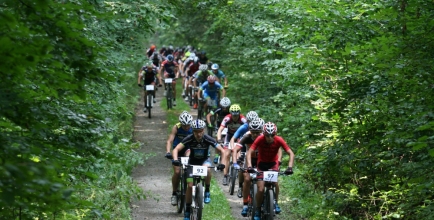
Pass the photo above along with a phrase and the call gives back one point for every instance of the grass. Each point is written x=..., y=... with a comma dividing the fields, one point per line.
x=219, y=208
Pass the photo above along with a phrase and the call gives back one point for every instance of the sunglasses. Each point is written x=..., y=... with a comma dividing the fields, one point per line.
x=270, y=135
x=256, y=133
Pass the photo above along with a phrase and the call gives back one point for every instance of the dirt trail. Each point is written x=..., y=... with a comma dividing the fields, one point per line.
x=154, y=176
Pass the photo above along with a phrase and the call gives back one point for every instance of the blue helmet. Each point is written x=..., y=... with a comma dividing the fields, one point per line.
x=215, y=66
x=170, y=57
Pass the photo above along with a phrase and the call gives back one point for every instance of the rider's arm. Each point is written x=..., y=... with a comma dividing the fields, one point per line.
x=279, y=155
x=139, y=78
x=226, y=82
x=208, y=117
x=171, y=138
x=219, y=132
x=175, y=151
x=249, y=157
x=223, y=91
x=288, y=151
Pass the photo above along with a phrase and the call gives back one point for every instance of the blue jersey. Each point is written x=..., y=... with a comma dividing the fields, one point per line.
x=181, y=134
x=220, y=75
x=241, y=131
x=211, y=90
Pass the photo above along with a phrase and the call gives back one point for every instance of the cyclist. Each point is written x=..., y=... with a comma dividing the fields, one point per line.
x=192, y=67
x=220, y=75
x=201, y=75
x=232, y=122
x=255, y=130
x=203, y=59
x=147, y=73
x=151, y=50
x=198, y=143
x=220, y=113
x=268, y=146
x=170, y=69
x=211, y=91
x=179, y=131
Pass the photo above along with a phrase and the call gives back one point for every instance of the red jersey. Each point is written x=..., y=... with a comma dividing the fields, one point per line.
x=193, y=68
x=233, y=125
x=269, y=152
x=169, y=67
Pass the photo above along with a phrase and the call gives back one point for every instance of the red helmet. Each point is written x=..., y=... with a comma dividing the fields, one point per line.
x=270, y=128
x=152, y=47
x=211, y=79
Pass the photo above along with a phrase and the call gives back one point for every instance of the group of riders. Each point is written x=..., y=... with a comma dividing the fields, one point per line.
x=191, y=65
x=249, y=141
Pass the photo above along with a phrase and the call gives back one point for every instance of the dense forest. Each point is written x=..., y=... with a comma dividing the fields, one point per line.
x=350, y=85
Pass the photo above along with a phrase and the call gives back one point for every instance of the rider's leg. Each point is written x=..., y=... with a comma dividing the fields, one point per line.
x=175, y=178
x=246, y=187
x=259, y=194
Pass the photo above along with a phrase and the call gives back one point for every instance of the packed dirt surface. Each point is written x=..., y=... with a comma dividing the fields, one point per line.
x=154, y=176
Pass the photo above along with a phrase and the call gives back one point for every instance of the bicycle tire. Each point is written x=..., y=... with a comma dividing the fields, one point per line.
x=182, y=191
x=199, y=110
x=169, y=97
x=197, y=212
x=269, y=205
x=233, y=177
x=149, y=101
x=253, y=191
x=190, y=96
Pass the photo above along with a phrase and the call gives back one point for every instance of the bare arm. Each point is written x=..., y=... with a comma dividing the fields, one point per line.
x=219, y=133
x=175, y=151
x=291, y=157
x=170, y=138
x=249, y=157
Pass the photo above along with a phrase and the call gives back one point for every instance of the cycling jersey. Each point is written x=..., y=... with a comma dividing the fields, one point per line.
x=233, y=125
x=180, y=135
x=221, y=113
x=247, y=141
x=149, y=52
x=202, y=75
x=169, y=68
x=268, y=153
x=193, y=67
x=220, y=75
x=199, y=150
x=148, y=76
x=211, y=90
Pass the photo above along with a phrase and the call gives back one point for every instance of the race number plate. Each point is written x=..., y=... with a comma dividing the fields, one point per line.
x=184, y=160
x=168, y=80
x=200, y=170
x=149, y=87
x=270, y=176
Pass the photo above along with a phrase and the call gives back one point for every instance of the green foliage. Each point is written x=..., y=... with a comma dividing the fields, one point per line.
x=66, y=95
x=348, y=83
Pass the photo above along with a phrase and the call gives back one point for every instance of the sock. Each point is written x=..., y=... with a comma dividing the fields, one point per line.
x=207, y=188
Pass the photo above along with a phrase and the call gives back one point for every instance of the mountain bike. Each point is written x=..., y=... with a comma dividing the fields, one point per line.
x=211, y=105
x=169, y=94
x=182, y=187
x=269, y=178
x=252, y=195
x=149, y=98
x=233, y=175
x=199, y=173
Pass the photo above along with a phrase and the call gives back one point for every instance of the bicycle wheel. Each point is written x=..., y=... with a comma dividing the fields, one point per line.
x=149, y=101
x=169, y=97
x=181, y=194
x=233, y=177
x=269, y=205
x=190, y=95
x=253, y=191
x=199, y=110
x=197, y=211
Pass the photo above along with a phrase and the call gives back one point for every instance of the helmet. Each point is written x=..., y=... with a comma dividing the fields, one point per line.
x=170, y=57
x=251, y=115
x=203, y=52
x=195, y=59
x=270, y=128
x=257, y=124
x=185, y=119
x=210, y=65
x=215, y=66
x=184, y=112
x=235, y=109
x=198, y=124
x=170, y=47
x=203, y=67
x=149, y=64
x=211, y=79
x=225, y=102
x=152, y=47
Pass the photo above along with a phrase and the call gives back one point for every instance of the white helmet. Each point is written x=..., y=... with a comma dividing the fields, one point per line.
x=185, y=118
x=203, y=67
x=251, y=115
x=225, y=102
x=270, y=128
x=257, y=124
x=198, y=124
